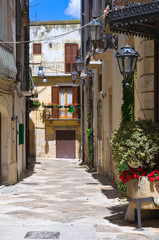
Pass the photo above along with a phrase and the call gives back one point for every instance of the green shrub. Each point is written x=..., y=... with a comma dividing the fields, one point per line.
x=136, y=144
x=34, y=104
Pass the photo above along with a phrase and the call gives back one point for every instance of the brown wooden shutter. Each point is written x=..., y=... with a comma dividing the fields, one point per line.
x=71, y=54
x=67, y=58
x=55, y=100
x=74, y=55
x=76, y=100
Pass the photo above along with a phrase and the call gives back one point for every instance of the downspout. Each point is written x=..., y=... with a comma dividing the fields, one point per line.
x=83, y=147
x=156, y=80
x=91, y=120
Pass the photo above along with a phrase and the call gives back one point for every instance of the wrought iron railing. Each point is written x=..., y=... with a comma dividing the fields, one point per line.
x=7, y=64
x=65, y=113
x=53, y=68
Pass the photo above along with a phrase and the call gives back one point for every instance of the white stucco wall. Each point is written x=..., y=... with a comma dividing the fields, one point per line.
x=53, y=56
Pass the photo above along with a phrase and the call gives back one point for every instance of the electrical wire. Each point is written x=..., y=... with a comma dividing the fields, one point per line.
x=55, y=37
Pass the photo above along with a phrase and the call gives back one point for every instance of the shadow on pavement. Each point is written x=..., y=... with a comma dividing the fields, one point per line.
x=109, y=188
x=117, y=215
x=30, y=170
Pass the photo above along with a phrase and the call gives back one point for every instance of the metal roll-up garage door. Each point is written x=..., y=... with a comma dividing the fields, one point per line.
x=65, y=144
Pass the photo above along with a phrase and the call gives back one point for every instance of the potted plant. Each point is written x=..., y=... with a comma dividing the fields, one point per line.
x=135, y=148
x=34, y=104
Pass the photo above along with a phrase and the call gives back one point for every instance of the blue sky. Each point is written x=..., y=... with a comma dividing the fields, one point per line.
x=54, y=10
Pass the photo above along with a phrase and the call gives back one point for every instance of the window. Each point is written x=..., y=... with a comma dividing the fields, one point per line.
x=36, y=48
x=71, y=54
x=65, y=99
x=65, y=96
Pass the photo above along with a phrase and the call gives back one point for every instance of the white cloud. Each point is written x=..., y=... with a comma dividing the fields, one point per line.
x=73, y=8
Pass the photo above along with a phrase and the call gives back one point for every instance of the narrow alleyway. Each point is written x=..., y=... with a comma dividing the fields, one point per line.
x=60, y=199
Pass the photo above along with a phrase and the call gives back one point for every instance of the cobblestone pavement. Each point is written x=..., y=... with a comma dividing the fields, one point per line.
x=60, y=196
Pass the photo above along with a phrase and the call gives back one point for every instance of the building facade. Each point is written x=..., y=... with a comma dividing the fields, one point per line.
x=107, y=89
x=14, y=81
x=56, y=125
x=107, y=80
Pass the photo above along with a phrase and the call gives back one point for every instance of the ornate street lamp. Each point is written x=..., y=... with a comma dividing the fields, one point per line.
x=127, y=59
x=80, y=65
x=74, y=76
x=94, y=30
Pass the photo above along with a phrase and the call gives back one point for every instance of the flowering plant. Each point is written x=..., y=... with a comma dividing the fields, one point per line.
x=106, y=11
x=136, y=173
x=153, y=176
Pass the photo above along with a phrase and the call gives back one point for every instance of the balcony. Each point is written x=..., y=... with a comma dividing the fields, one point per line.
x=62, y=112
x=7, y=65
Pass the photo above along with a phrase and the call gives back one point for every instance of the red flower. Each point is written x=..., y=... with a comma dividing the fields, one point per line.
x=127, y=176
x=124, y=180
x=152, y=179
x=143, y=174
x=157, y=178
x=136, y=176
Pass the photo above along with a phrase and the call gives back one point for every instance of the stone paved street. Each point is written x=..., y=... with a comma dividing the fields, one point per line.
x=60, y=196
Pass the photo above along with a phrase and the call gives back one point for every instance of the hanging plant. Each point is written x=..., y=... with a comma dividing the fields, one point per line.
x=34, y=104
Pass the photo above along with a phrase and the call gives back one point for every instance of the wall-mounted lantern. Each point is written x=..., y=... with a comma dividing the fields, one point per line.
x=127, y=58
x=79, y=65
x=94, y=30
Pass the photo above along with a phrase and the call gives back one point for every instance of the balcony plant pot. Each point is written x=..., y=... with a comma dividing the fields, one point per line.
x=143, y=188
x=48, y=106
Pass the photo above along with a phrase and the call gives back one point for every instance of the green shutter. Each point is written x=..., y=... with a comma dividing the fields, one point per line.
x=21, y=134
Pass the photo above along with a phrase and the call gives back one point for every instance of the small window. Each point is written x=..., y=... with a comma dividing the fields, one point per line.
x=36, y=48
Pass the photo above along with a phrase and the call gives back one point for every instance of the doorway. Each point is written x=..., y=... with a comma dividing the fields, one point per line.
x=65, y=144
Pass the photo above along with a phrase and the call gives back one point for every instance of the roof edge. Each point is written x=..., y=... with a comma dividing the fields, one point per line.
x=59, y=22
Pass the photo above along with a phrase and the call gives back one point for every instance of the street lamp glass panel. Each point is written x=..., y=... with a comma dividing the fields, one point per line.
x=79, y=64
x=134, y=61
x=74, y=76
x=127, y=65
x=120, y=63
x=44, y=80
x=40, y=72
x=94, y=29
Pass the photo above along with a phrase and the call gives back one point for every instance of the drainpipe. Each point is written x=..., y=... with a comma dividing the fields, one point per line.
x=91, y=119
x=156, y=80
x=83, y=149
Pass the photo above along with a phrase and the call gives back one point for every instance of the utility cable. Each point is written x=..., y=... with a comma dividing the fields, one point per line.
x=55, y=37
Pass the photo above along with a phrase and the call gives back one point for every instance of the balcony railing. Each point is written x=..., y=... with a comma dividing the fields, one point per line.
x=7, y=64
x=65, y=113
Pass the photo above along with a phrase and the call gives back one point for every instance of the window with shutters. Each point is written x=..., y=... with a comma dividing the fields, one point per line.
x=65, y=96
x=65, y=99
x=37, y=48
x=71, y=54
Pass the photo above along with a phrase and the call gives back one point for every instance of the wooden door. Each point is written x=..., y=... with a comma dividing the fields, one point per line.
x=65, y=144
